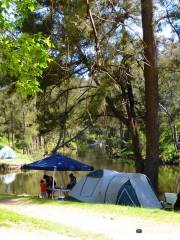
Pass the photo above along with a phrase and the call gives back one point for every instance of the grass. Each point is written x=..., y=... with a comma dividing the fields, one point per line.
x=24, y=158
x=109, y=209
x=11, y=219
x=3, y=141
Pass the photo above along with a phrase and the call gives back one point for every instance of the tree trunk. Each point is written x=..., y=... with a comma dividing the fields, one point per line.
x=55, y=149
x=132, y=126
x=151, y=94
x=139, y=163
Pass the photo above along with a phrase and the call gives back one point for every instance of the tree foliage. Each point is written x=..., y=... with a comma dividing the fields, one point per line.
x=22, y=56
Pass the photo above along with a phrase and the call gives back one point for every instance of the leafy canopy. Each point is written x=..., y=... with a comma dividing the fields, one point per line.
x=22, y=56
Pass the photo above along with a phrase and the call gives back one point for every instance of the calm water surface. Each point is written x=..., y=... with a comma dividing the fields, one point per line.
x=28, y=182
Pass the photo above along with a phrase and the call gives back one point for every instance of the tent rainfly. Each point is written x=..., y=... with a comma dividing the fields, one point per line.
x=106, y=186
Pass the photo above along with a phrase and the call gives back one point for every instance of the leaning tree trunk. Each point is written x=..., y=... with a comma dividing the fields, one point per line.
x=132, y=125
x=139, y=163
x=151, y=94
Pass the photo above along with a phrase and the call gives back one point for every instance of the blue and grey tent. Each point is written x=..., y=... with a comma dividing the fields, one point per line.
x=58, y=162
x=106, y=186
x=7, y=152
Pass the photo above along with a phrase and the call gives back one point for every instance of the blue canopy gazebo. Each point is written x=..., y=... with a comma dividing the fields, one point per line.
x=58, y=162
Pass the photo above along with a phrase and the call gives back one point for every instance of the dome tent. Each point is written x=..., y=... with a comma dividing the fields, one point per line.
x=7, y=152
x=106, y=186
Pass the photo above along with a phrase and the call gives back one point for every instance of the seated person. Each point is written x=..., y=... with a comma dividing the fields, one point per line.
x=72, y=182
x=177, y=203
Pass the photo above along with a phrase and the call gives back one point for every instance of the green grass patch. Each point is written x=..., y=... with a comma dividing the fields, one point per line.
x=3, y=141
x=158, y=215
x=9, y=219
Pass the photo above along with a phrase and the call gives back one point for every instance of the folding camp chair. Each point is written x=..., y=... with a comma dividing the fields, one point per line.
x=169, y=200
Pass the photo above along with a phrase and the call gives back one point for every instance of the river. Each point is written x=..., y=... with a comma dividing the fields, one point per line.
x=27, y=182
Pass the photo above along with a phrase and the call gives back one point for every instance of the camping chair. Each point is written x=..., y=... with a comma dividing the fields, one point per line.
x=169, y=200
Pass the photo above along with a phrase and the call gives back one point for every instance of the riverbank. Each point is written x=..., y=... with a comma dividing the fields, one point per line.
x=9, y=165
x=105, y=221
x=14, y=164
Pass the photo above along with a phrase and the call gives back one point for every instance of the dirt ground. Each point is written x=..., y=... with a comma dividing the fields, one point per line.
x=115, y=228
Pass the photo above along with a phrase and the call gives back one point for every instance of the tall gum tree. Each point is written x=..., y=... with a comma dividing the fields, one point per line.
x=151, y=94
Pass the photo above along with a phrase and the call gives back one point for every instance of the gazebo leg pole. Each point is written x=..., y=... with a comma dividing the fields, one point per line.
x=62, y=180
x=52, y=193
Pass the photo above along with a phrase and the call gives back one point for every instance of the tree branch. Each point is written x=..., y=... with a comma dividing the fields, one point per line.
x=116, y=112
x=71, y=139
x=94, y=31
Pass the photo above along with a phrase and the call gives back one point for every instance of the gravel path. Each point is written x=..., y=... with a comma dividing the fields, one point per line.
x=115, y=228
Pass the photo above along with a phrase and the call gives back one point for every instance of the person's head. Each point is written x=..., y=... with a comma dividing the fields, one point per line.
x=42, y=181
x=45, y=176
x=71, y=175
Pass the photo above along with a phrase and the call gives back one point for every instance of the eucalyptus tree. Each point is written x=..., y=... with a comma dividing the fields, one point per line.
x=151, y=93
x=115, y=44
x=98, y=44
x=113, y=54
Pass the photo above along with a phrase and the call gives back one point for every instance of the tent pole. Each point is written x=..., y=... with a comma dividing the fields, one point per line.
x=62, y=180
x=52, y=194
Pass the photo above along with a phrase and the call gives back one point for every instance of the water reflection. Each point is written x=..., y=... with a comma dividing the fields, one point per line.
x=28, y=182
x=8, y=178
x=168, y=179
